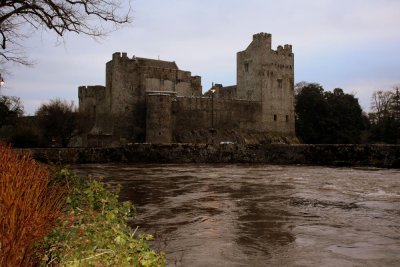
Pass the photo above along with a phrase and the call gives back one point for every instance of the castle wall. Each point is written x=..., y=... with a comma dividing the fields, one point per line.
x=278, y=98
x=128, y=80
x=91, y=104
x=249, y=68
x=148, y=100
x=184, y=89
x=124, y=95
x=382, y=156
x=89, y=98
x=193, y=118
x=267, y=75
x=159, y=117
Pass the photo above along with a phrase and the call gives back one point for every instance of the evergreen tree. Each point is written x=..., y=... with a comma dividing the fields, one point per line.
x=327, y=117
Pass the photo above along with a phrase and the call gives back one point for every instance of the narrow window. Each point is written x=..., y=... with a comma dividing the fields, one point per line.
x=246, y=67
x=275, y=117
x=287, y=118
x=279, y=83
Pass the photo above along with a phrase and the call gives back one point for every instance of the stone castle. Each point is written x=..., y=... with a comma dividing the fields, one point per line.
x=153, y=101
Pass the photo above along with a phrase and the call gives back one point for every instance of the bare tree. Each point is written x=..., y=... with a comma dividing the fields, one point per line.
x=380, y=103
x=88, y=17
x=57, y=121
x=395, y=103
x=10, y=109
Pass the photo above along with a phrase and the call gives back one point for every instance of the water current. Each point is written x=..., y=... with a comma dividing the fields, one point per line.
x=263, y=215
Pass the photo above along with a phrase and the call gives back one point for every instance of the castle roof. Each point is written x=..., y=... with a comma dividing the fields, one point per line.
x=157, y=63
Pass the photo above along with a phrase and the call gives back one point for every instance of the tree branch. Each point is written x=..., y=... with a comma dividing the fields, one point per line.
x=60, y=16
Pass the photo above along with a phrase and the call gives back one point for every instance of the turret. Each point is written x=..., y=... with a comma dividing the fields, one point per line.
x=266, y=75
x=159, y=117
x=119, y=55
x=262, y=39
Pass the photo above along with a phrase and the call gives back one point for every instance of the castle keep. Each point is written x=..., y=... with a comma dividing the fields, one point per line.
x=153, y=101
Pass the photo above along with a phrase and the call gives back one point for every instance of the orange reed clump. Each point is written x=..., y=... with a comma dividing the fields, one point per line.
x=29, y=206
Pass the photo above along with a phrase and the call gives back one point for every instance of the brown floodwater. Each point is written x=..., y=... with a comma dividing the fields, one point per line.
x=263, y=215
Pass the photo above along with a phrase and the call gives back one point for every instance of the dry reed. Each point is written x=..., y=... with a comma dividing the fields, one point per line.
x=29, y=206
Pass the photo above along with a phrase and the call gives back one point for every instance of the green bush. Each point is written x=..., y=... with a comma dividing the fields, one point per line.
x=94, y=231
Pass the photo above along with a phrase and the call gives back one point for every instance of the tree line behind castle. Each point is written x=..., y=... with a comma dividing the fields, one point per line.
x=321, y=117
x=153, y=101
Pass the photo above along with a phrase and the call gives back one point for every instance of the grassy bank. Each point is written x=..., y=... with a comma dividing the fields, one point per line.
x=63, y=220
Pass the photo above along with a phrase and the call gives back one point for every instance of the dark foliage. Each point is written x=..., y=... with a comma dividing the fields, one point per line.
x=327, y=117
x=26, y=133
x=10, y=110
x=57, y=122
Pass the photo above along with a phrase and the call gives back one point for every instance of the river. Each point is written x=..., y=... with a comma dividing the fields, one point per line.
x=263, y=215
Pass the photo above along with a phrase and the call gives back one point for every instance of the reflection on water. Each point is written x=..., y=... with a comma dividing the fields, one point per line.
x=262, y=215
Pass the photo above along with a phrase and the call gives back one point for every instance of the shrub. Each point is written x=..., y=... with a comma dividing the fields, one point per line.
x=29, y=206
x=94, y=231
x=41, y=225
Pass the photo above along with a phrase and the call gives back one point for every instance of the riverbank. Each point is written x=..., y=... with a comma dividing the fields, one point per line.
x=54, y=218
x=385, y=156
x=94, y=229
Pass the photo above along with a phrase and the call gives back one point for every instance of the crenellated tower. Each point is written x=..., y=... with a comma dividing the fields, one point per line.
x=152, y=100
x=267, y=76
x=119, y=109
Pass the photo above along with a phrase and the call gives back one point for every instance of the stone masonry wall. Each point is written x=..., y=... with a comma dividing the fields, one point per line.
x=193, y=119
x=267, y=75
x=159, y=117
x=121, y=110
x=387, y=156
x=262, y=109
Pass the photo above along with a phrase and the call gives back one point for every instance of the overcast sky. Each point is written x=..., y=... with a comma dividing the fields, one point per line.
x=351, y=44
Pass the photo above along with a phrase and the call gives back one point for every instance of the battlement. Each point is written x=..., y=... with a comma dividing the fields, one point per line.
x=262, y=40
x=144, y=62
x=196, y=80
x=265, y=39
x=288, y=47
x=262, y=36
x=118, y=55
x=284, y=50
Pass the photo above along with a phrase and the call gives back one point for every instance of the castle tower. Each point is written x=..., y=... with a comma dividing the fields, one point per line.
x=267, y=75
x=159, y=117
x=127, y=82
x=124, y=97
